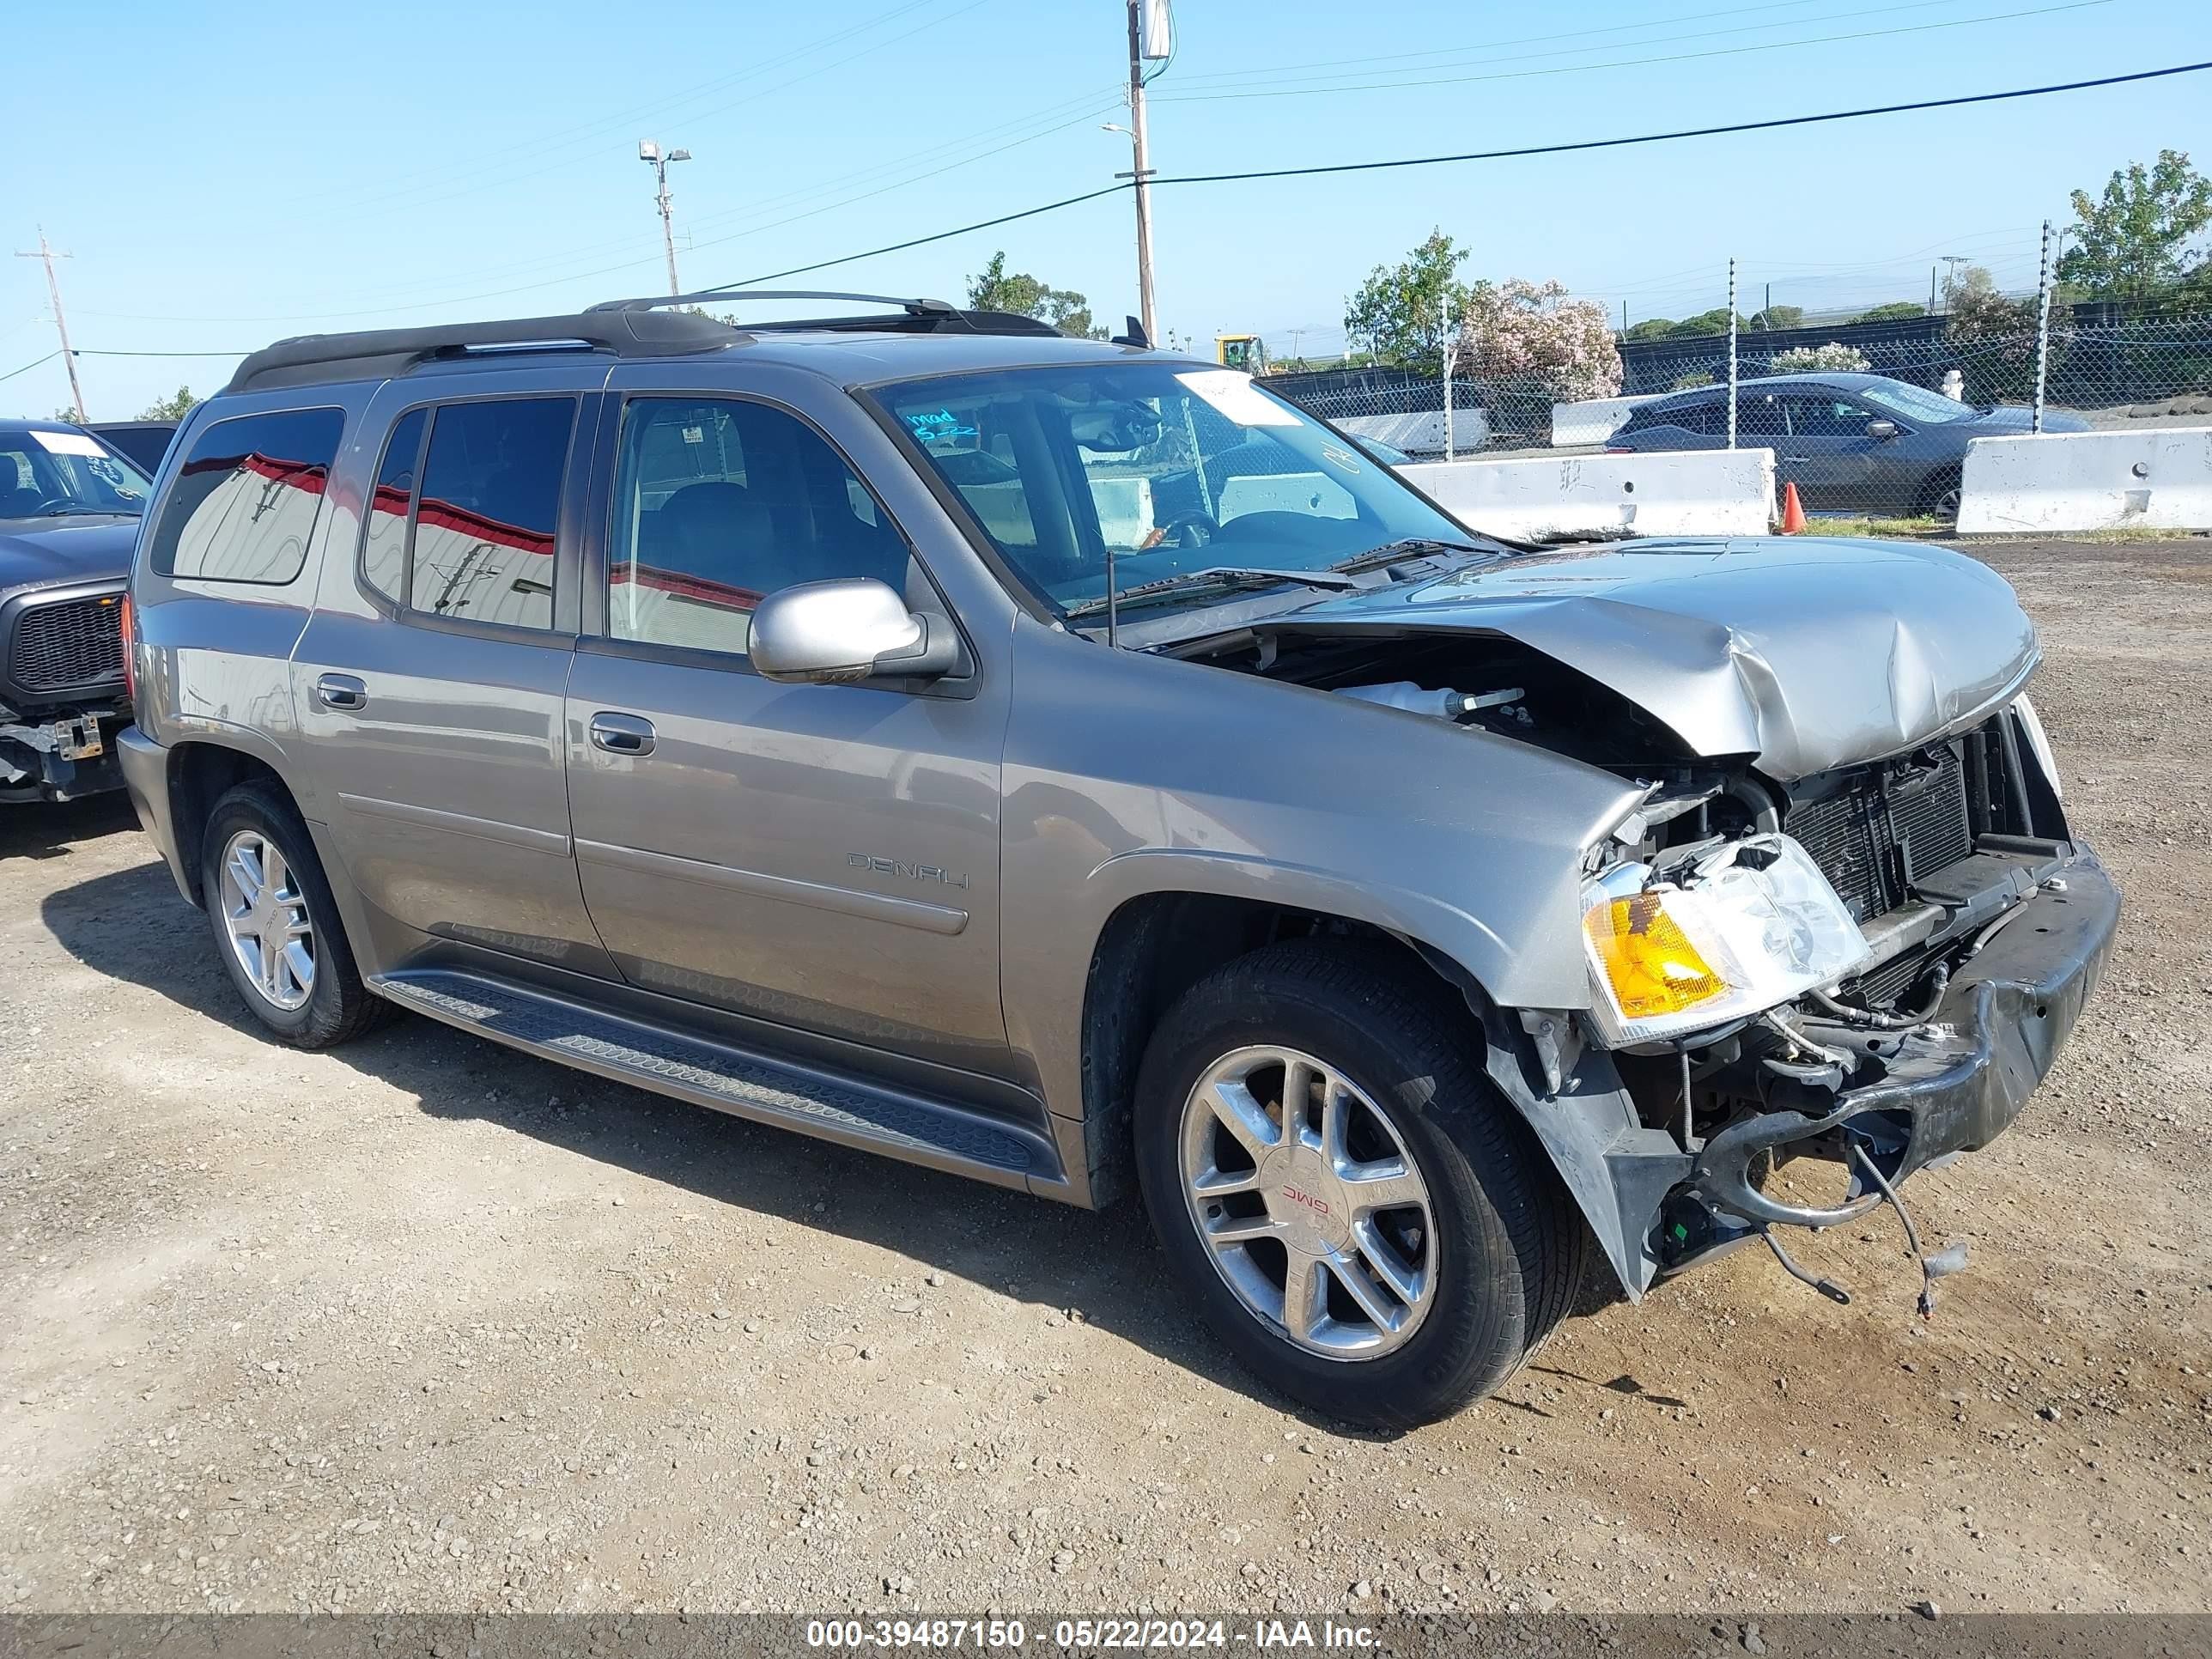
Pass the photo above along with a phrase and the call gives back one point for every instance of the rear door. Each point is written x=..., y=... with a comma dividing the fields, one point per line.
x=429, y=683
x=824, y=858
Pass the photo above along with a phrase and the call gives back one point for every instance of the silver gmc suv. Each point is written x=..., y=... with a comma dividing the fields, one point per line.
x=1067, y=764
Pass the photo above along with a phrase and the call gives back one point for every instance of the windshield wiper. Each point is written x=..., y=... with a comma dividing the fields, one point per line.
x=1221, y=576
x=81, y=512
x=1407, y=547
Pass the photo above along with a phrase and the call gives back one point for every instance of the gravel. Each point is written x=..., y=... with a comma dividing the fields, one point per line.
x=422, y=1324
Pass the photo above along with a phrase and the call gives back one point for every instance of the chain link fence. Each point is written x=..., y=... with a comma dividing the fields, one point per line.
x=1867, y=419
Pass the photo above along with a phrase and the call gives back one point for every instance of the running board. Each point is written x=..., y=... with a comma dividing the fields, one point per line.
x=834, y=1106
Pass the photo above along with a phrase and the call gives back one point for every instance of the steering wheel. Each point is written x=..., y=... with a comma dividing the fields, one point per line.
x=52, y=503
x=1187, y=530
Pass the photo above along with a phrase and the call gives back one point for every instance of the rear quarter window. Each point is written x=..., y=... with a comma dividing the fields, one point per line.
x=245, y=502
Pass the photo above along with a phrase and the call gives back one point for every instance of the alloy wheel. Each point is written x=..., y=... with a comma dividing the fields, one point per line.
x=1308, y=1202
x=266, y=915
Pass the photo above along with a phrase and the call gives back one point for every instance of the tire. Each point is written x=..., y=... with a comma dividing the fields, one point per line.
x=332, y=1005
x=1939, y=496
x=1497, y=1250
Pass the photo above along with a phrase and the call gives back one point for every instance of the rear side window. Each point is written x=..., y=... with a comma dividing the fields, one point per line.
x=245, y=502
x=391, y=505
x=462, y=519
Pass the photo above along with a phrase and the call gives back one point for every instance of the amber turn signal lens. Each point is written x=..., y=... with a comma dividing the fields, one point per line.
x=1648, y=962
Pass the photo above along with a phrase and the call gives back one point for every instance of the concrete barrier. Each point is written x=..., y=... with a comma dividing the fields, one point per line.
x=2055, y=483
x=1593, y=420
x=1705, y=492
x=1421, y=431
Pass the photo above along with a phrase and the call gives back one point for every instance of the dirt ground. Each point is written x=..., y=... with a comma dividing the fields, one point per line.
x=422, y=1324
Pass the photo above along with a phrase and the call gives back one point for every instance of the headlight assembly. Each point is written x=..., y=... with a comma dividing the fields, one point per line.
x=1742, y=930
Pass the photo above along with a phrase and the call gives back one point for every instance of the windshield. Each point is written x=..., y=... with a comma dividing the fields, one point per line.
x=1175, y=468
x=57, y=473
x=1915, y=403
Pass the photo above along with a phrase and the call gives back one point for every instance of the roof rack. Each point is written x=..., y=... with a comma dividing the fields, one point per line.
x=374, y=353
x=920, y=316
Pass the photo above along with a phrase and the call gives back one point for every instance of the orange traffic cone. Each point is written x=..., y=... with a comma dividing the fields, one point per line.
x=1793, y=510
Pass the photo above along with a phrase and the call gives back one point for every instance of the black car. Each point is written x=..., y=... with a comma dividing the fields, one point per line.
x=1851, y=443
x=70, y=505
x=143, y=442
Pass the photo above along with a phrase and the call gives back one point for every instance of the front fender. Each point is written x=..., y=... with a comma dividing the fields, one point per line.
x=1128, y=775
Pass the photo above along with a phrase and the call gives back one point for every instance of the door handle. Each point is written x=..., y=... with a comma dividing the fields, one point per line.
x=341, y=691
x=622, y=734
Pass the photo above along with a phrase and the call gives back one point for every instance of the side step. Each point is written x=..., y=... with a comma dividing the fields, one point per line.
x=834, y=1106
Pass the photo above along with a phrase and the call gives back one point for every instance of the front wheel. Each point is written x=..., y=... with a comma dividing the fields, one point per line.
x=1355, y=1210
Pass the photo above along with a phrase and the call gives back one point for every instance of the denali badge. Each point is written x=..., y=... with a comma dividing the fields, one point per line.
x=901, y=867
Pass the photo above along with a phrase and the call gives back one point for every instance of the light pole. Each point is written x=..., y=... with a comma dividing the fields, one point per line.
x=651, y=153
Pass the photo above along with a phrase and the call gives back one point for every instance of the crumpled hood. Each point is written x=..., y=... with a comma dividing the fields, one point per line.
x=1809, y=653
x=41, y=552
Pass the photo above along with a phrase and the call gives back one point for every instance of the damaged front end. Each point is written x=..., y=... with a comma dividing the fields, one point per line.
x=1937, y=931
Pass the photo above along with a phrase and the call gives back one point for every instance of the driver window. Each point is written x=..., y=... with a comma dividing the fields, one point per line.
x=719, y=502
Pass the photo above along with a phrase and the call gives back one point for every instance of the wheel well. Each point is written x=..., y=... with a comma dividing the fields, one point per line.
x=200, y=774
x=1151, y=951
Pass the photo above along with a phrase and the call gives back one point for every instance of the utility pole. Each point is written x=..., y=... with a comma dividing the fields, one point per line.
x=650, y=152
x=61, y=322
x=1951, y=281
x=1141, y=159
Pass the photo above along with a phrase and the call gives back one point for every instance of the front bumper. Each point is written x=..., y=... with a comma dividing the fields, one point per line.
x=65, y=757
x=1948, y=1086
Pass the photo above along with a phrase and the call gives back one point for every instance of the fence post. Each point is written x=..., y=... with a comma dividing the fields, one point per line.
x=1731, y=442
x=1450, y=338
x=2042, y=330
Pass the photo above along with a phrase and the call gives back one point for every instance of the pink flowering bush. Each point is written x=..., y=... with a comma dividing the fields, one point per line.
x=1532, y=333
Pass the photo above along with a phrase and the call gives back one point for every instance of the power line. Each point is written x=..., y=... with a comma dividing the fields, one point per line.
x=1635, y=63
x=923, y=241
x=1499, y=155
x=28, y=367
x=1224, y=84
x=1685, y=132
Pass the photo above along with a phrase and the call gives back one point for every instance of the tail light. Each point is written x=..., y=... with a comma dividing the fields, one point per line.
x=129, y=650
x=1619, y=449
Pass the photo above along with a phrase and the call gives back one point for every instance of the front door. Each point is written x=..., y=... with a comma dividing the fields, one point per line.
x=1829, y=454
x=824, y=858
x=430, y=687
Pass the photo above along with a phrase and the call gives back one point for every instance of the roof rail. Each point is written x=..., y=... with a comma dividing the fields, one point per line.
x=308, y=359
x=921, y=316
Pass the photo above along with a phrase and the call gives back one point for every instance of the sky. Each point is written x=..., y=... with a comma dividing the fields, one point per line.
x=222, y=175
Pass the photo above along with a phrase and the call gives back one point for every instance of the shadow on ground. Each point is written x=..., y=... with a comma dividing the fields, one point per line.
x=1101, y=1268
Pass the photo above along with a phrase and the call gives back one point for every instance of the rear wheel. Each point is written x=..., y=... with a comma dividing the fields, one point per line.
x=1355, y=1210
x=276, y=924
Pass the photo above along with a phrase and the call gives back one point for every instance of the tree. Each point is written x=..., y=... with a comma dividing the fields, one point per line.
x=68, y=412
x=1995, y=337
x=170, y=409
x=1897, y=311
x=1400, y=312
x=1652, y=328
x=1705, y=323
x=1775, y=318
x=993, y=288
x=2134, y=239
x=1525, y=333
x=1829, y=359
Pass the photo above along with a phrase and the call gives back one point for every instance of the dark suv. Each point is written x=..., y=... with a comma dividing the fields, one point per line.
x=69, y=506
x=1067, y=764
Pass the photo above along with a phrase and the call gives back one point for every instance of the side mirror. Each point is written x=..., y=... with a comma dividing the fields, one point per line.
x=839, y=632
x=1882, y=429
